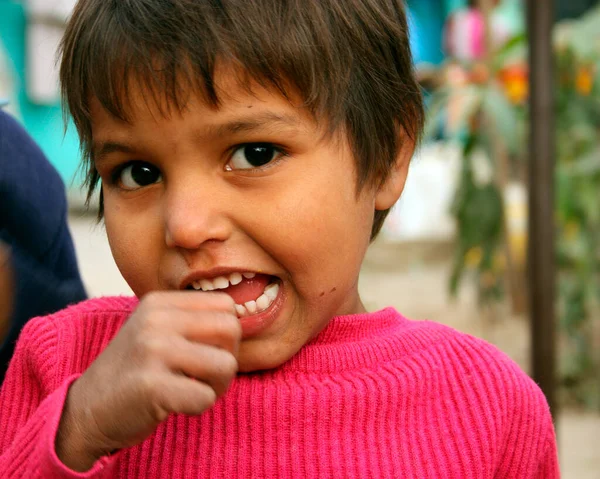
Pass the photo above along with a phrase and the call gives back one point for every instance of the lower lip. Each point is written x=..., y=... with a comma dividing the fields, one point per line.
x=257, y=323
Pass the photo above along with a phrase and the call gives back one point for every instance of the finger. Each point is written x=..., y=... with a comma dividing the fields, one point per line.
x=182, y=395
x=213, y=366
x=219, y=329
x=190, y=300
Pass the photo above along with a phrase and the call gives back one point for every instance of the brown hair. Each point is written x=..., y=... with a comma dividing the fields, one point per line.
x=349, y=60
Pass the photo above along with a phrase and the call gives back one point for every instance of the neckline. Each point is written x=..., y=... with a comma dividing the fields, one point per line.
x=356, y=327
x=366, y=340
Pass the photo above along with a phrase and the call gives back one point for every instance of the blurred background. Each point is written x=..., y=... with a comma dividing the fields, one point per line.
x=454, y=249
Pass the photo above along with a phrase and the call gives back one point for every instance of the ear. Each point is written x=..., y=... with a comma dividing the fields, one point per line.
x=389, y=192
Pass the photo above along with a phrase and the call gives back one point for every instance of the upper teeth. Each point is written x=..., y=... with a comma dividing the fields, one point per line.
x=221, y=282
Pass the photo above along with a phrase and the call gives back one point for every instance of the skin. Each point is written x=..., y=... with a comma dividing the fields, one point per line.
x=6, y=291
x=299, y=218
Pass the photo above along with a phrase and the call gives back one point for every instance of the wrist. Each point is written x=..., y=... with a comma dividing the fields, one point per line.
x=74, y=444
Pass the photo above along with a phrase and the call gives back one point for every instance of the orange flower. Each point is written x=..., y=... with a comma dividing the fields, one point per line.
x=514, y=78
x=584, y=81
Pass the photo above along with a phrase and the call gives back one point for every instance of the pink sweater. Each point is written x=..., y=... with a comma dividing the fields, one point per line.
x=374, y=395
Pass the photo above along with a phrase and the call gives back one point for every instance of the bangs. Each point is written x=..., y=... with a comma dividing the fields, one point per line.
x=170, y=49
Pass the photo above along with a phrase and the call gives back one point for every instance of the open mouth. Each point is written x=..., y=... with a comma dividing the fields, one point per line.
x=252, y=293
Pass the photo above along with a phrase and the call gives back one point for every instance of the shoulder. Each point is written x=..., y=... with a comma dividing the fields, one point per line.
x=115, y=308
x=86, y=316
x=485, y=380
x=486, y=371
x=483, y=361
x=474, y=380
x=75, y=335
x=471, y=357
x=474, y=373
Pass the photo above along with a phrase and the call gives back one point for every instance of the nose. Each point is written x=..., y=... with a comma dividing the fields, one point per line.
x=194, y=215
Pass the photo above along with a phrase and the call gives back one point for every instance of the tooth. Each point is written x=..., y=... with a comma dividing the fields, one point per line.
x=207, y=285
x=241, y=310
x=235, y=278
x=221, y=282
x=263, y=302
x=196, y=285
x=249, y=275
x=272, y=291
x=251, y=306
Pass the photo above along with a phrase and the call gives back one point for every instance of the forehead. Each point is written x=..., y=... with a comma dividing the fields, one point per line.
x=237, y=96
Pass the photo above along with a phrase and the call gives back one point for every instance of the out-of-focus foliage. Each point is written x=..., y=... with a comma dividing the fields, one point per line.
x=484, y=107
x=578, y=203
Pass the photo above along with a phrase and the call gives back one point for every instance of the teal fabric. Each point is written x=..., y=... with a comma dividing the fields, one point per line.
x=44, y=123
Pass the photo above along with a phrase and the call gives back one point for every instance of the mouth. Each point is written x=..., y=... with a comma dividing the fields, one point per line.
x=253, y=293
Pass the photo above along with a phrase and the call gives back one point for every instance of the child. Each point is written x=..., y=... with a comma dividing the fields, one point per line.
x=248, y=151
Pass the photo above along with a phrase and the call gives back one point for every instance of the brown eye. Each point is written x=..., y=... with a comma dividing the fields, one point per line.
x=139, y=174
x=253, y=155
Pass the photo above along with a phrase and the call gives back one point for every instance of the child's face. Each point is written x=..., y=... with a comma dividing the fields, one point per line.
x=196, y=204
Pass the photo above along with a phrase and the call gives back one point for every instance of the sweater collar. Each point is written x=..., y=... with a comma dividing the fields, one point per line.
x=361, y=341
x=357, y=327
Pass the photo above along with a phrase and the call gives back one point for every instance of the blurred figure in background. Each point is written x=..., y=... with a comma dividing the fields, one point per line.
x=38, y=267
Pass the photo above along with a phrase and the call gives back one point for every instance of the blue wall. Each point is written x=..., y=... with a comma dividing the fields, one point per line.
x=44, y=123
x=426, y=20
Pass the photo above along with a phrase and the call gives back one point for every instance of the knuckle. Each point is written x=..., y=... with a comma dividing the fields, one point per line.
x=161, y=410
x=153, y=346
x=147, y=346
x=147, y=385
x=229, y=366
x=152, y=322
x=158, y=401
x=152, y=300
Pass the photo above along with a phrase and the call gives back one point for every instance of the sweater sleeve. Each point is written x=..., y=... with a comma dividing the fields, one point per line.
x=530, y=440
x=532, y=435
x=31, y=403
x=548, y=467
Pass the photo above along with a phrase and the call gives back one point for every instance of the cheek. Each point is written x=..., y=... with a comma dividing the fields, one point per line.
x=319, y=235
x=133, y=243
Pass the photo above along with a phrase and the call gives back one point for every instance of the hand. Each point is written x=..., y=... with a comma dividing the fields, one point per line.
x=6, y=291
x=175, y=354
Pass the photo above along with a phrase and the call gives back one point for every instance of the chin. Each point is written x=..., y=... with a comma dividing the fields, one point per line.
x=255, y=357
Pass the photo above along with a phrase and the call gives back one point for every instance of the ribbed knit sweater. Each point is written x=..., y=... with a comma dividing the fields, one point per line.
x=373, y=395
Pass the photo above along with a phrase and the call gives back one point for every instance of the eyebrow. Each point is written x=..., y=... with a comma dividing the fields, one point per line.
x=101, y=150
x=261, y=122
x=258, y=122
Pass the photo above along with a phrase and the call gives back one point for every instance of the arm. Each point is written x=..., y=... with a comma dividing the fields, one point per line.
x=525, y=447
x=31, y=405
x=6, y=292
x=548, y=463
x=531, y=451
